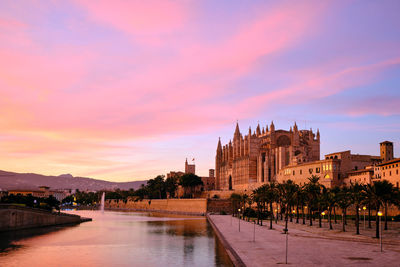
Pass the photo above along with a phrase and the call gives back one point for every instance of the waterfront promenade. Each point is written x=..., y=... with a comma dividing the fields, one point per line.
x=306, y=248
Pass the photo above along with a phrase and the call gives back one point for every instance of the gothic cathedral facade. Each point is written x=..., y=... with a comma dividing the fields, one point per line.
x=255, y=159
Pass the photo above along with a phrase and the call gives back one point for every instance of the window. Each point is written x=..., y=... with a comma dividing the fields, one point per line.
x=390, y=173
x=294, y=172
x=397, y=184
x=310, y=170
x=397, y=172
x=301, y=171
x=383, y=174
x=318, y=170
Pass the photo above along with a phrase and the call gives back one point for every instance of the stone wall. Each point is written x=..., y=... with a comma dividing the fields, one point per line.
x=181, y=206
x=16, y=217
x=220, y=193
x=219, y=205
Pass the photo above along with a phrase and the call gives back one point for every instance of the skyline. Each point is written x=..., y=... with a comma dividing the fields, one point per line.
x=128, y=91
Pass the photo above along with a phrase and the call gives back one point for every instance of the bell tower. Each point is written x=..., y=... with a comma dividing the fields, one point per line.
x=386, y=151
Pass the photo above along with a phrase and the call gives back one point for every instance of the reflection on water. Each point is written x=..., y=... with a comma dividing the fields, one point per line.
x=117, y=239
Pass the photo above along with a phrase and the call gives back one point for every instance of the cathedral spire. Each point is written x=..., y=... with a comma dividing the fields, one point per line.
x=272, y=126
x=237, y=131
x=295, y=127
x=258, y=131
x=219, y=144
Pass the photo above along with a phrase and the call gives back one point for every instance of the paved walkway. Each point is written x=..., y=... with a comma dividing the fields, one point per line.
x=304, y=248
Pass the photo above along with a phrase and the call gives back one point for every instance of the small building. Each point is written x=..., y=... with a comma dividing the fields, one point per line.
x=389, y=170
x=364, y=176
x=43, y=192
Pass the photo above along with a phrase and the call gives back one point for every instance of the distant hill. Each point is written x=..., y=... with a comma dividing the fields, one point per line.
x=12, y=180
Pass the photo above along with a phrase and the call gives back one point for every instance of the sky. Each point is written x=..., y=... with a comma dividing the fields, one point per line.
x=127, y=90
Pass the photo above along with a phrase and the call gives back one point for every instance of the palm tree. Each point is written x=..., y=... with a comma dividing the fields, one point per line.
x=379, y=192
x=335, y=191
x=330, y=200
x=312, y=189
x=388, y=198
x=321, y=203
x=287, y=193
x=357, y=197
x=344, y=201
x=368, y=201
x=271, y=197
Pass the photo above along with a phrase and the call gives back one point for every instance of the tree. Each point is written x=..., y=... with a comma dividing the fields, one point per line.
x=330, y=200
x=156, y=187
x=379, y=192
x=357, y=197
x=344, y=201
x=312, y=190
x=287, y=192
x=171, y=184
x=236, y=202
x=189, y=182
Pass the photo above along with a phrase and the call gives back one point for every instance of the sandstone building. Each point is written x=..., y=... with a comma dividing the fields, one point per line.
x=208, y=181
x=269, y=155
x=257, y=158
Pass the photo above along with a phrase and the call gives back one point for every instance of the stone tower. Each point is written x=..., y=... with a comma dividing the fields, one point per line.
x=190, y=168
x=386, y=151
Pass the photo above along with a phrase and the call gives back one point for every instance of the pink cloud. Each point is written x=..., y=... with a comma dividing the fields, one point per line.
x=144, y=20
x=321, y=86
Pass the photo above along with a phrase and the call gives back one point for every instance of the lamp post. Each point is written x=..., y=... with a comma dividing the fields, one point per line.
x=254, y=231
x=239, y=218
x=286, y=233
x=323, y=215
x=364, y=208
x=380, y=231
x=306, y=211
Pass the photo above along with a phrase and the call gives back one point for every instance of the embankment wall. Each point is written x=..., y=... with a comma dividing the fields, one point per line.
x=16, y=217
x=182, y=206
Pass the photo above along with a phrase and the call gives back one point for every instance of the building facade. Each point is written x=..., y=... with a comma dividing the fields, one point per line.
x=250, y=161
x=270, y=155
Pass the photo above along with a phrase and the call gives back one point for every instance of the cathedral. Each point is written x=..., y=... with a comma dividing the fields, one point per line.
x=250, y=161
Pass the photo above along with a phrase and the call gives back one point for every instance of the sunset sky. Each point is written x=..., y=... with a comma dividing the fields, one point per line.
x=128, y=90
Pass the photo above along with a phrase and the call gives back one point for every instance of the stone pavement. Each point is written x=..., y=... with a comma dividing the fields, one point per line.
x=304, y=248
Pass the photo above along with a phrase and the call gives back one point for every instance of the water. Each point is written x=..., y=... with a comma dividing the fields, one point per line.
x=117, y=239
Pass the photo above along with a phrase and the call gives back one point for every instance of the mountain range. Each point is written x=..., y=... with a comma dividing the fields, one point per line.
x=12, y=180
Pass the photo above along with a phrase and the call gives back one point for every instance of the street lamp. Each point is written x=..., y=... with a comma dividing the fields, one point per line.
x=323, y=215
x=286, y=231
x=306, y=211
x=239, y=219
x=364, y=208
x=380, y=234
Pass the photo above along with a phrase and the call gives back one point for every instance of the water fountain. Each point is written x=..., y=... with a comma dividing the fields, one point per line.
x=102, y=202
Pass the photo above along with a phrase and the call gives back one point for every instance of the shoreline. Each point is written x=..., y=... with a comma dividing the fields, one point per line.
x=14, y=218
x=159, y=211
x=234, y=257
